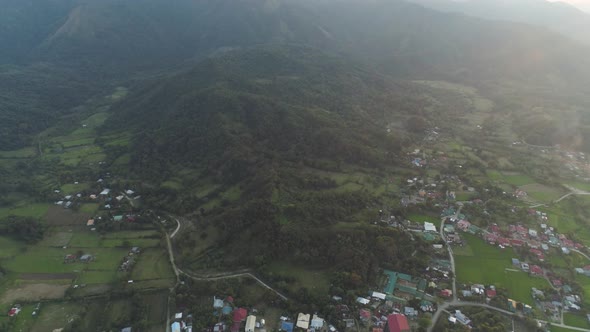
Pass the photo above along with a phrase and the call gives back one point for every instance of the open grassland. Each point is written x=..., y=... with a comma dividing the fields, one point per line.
x=35, y=210
x=313, y=280
x=421, y=218
x=584, y=282
x=24, y=153
x=585, y=186
x=153, y=264
x=70, y=188
x=517, y=179
x=55, y=315
x=542, y=193
x=10, y=247
x=483, y=263
x=570, y=216
x=577, y=320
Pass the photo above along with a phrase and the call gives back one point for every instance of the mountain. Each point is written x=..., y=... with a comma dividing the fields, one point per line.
x=262, y=127
x=74, y=49
x=557, y=16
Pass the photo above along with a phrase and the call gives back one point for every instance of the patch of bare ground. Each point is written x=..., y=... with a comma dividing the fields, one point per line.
x=34, y=292
x=58, y=216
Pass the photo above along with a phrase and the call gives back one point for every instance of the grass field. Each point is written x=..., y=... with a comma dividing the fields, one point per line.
x=542, y=193
x=572, y=319
x=421, y=218
x=24, y=153
x=35, y=210
x=483, y=263
x=55, y=315
x=70, y=188
x=305, y=277
x=152, y=264
x=85, y=240
x=9, y=247
x=580, y=185
x=517, y=179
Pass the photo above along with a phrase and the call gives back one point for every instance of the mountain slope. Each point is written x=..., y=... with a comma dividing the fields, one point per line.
x=103, y=44
x=260, y=127
x=557, y=16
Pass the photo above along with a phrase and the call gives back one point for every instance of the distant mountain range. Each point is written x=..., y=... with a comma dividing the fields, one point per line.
x=557, y=16
x=56, y=54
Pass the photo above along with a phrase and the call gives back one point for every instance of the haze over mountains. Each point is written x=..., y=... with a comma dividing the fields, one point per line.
x=258, y=99
x=557, y=16
x=66, y=51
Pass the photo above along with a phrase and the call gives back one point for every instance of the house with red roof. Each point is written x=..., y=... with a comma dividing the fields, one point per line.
x=556, y=282
x=239, y=316
x=568, y=243
x=494, y=228
x=397, y=323
x=522, y=230
x=517, y=242
x=463, y=225
x=446, y=293
x=491, y=238
x=534, y=244
x=536, y=270
x=490, y=293
x=504, y=241
x=13, y=311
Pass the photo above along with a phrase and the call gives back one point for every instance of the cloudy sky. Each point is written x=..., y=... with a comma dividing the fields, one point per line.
x=582, y=4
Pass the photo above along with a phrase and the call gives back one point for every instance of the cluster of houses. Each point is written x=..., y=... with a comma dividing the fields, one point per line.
x=182, y=322
x=479, y=290
x=242, y=320
x=105, y=196
x=538, y=241
x=389, y=309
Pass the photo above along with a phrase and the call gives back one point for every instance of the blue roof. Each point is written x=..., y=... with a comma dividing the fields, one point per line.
x=175, y=327
x=287, y=326
x=226, y=310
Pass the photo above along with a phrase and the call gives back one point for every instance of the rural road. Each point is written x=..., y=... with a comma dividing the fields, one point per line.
x=573, y=191
x=443, y=308
x=177, y=228
x=227, y=275
x=450, y=250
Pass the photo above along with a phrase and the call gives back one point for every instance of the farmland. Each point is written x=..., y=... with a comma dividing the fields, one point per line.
x=39, y=271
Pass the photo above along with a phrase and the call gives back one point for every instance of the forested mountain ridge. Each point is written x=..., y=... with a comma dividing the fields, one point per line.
x=74, y=49
x=256, y=125
x=557, y=16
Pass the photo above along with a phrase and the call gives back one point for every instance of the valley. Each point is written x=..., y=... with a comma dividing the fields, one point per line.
x=292, y=165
